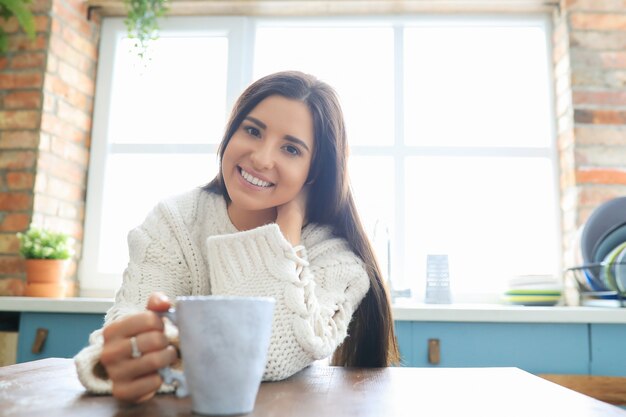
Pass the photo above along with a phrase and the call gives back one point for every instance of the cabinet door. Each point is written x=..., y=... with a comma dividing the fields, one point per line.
x=67, y=334
x=534, y=347
x=608, y=352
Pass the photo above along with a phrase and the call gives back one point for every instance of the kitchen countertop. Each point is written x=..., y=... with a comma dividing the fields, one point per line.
x=406, y=312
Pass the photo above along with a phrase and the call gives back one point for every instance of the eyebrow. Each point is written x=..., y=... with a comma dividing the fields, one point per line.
x=290, y=138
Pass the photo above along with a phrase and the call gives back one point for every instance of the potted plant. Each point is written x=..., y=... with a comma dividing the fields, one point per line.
x=47, y=254
x=142, y=22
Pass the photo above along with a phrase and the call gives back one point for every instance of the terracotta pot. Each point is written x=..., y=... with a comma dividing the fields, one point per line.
x=44, y=277
x=45, y=290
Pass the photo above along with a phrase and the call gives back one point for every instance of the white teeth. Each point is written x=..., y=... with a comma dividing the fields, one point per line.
x=254, y=180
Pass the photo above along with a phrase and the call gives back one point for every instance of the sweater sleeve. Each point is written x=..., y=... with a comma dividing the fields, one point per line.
x=315, y=296
x=156, y=263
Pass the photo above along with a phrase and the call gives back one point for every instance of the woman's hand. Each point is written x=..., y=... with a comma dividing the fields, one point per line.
x=137, y=379
x=291, y=216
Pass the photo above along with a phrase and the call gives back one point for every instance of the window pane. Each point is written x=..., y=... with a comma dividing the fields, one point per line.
x=494, y=217
x=152, y=177
x=178, y=96
x=357, y=62
x=477, y=86
x=374, y=193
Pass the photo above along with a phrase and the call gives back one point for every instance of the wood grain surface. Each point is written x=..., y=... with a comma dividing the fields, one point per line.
x=50, y=387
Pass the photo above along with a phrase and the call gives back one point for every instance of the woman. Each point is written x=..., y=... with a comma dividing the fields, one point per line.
x=278, y=220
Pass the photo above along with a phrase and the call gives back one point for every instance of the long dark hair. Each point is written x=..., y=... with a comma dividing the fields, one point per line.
x=371, y=340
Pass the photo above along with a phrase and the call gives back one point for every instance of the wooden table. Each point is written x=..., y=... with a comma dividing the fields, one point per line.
x=50, y=387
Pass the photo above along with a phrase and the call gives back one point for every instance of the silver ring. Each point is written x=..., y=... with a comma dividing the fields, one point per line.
x=135, y=352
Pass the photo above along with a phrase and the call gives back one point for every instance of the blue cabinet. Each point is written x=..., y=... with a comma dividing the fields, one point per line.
x=608, y=353
x=67, y=334
x=534, y=347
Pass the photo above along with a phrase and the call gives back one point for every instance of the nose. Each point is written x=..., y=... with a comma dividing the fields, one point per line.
x=262, y=157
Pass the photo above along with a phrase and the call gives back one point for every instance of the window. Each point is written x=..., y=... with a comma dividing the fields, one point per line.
x=450, y=125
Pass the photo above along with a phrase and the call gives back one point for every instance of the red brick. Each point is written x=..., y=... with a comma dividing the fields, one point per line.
x=42, y=23
x=60, y=168
x=14, y=222
x=53, y=64
x=49, y=103
x=58, y=127
x=613, y=59
x=594, y=196
x=600, y=117
x=11, y=264
x=21, y=80
x=24, y=43
x=19, y=119
x=69, y=55
x=74, y=20
x=28, y=60
x=12, y=287
x=598, y=40
x=80, y=81
x=598, y=21
x=70, y=151
x=9, y=243
x=23, y=100
x=15, y=201
x=17, y=159
x=4, y=62
x=64, y=90
x=81, y=44
x=601, y=176
x=78, y=6
x=17, y=180
x=595, y=5
x=598, y=78
x=76, y=117
x=19, y=140
x=65, y=190
x=10, y=25
x=40, y=6
x=600, y=135
x=600, y=98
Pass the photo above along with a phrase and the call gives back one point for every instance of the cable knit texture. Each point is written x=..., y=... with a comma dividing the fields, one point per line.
x=188, y=246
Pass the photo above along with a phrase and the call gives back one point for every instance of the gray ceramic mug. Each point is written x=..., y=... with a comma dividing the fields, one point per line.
x=223, y=342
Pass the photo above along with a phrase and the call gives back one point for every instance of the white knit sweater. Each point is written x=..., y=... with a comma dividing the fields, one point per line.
x=188, y=246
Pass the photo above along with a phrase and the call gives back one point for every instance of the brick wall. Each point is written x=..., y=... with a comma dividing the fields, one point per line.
x=46, y=101
x=590, y=75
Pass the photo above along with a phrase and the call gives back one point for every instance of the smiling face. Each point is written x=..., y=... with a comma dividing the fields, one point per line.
x=267, y=160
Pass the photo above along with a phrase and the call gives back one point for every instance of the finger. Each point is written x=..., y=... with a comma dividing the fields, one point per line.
x=138, y=390
x=159, y=302
x=117, y=350
x=132, y=325
x=131, y=369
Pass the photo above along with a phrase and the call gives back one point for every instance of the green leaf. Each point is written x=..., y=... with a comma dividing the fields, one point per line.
x=4, y=41
x=23, y=15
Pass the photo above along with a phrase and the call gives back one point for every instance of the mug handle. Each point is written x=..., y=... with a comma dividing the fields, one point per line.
x=168, y=374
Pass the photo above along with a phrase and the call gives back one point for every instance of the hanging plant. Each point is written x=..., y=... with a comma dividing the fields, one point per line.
x=142, y=22
x=19, y=9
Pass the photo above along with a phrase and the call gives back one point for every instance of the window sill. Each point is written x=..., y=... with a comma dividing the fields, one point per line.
x=500, y=313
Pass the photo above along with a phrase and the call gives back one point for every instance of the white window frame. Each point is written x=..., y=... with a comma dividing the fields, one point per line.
x=241, y=34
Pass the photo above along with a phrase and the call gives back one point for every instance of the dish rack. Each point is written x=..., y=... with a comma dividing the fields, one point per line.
x=597, y=284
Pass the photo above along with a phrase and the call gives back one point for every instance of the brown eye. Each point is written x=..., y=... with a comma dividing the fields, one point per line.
x=292, y=150
x=253, y=131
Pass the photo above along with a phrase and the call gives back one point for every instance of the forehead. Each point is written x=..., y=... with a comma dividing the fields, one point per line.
x=287, y=117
